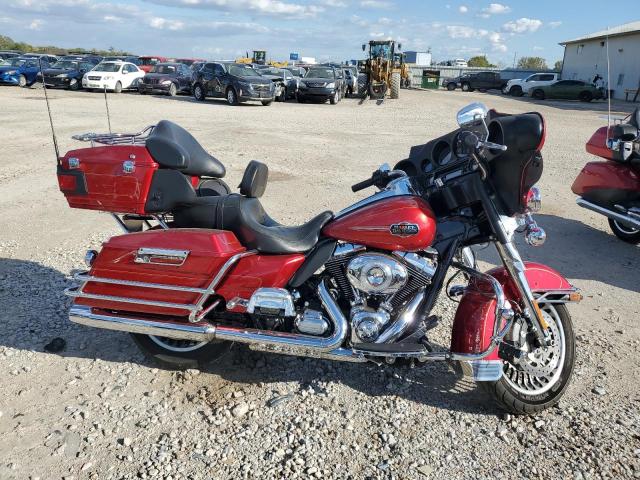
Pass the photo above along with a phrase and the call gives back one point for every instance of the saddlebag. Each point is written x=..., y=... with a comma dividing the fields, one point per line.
x=160, y=272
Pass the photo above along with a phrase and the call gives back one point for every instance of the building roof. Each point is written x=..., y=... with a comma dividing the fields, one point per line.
x=620, y=30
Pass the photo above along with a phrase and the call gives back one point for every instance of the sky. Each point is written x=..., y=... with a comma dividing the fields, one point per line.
x=323, y=29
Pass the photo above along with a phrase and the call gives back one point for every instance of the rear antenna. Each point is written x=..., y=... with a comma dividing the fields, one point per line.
x=608, y=89
x=46, y=98
x=106, y=104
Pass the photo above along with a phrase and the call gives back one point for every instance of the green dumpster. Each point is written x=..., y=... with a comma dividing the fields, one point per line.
x=430, y=79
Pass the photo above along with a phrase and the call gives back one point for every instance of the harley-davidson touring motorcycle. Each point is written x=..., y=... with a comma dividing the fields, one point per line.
x=200, y=268
x=612, y=188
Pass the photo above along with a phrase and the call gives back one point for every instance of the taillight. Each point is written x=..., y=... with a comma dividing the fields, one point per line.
x=68, y=183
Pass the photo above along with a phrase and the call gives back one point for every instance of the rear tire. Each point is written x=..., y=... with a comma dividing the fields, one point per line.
x=451, y=86
x=363, y=80
x=198, y=92
x=538, y=94
x=534, y=395
x=266, y=103
x=395, y=85
x=624, y=233
x=180, y=354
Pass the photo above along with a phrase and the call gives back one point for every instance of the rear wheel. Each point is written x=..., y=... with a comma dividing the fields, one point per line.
x=395, y=85
x=538, y=94
x=585, y=96
x=363, y=79
x=22, y=81
x=180, y=353
x=198, y=92
x=173, y=90
x=117, y=88
x=625, y=233
x=541, y=376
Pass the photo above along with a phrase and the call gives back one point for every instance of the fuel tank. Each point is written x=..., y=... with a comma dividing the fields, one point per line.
x=404, y=223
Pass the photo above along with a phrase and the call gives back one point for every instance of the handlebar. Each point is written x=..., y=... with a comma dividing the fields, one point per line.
x=379, y=178
x=362, y=185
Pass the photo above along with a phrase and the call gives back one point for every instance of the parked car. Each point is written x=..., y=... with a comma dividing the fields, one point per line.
x=459, y=62
x=236, y=82
x=521, y=86
x=189, y=61
x=167, y=78
x=568, y=90
x=7, y=54
x=148, y=61
x=21, y=71
x=476, y=81
x=297, y=71
x=123, y=58
x=44, y=56
x=351, y=79
x=286, y=84
x=320, y=83
x=66, y=73
x=113, y=76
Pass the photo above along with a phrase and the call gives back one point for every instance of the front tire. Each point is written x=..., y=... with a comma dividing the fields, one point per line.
x=542, y=376
x=451, y=86
x=516, y=91
x=466, y=87
x=22, y=81
x=266, y=103
x=180, y=354
x=198, y=93
x=395, y=85
x=232, y=98
x=117, y=88
x=173, y=90
x=335, y=98
x=538, y=94
x=624, y=233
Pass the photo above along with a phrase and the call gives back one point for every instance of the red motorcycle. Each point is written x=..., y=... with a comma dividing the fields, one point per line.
x=612, y=188
x=204, y=270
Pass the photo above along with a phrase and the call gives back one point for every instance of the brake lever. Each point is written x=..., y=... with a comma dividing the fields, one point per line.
x=492, y=146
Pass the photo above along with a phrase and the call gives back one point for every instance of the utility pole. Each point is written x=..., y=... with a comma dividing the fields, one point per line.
x=514, y=59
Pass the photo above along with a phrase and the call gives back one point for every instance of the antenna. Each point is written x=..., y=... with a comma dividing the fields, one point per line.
x=106, y=104
x=608, y=89
x=46, y=98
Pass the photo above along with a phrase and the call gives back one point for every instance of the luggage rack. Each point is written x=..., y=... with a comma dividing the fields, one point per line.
x=116, y=138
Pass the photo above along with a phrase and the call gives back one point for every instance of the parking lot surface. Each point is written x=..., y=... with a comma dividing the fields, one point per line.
x=98, y=409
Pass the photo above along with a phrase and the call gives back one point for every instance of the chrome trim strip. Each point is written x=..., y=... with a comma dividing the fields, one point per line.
x=83, y=277
x=77, y=292
x=627, y=220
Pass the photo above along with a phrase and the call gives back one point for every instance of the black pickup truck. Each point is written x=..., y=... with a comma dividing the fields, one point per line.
x=476, y=81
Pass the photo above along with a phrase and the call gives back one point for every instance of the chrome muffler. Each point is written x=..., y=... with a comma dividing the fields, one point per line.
x=326, y=347
x=628, y=220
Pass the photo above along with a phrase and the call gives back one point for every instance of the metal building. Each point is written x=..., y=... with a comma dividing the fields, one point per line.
x=586, y=57
x=418, y=58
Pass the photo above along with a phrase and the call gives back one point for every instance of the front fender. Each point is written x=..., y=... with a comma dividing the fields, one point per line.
x=474, y=321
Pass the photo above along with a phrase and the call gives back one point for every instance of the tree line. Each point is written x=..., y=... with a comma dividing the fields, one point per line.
x=524, y=63
x=7, y=43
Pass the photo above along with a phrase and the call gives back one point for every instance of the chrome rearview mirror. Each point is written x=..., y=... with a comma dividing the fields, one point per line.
x=472, y=114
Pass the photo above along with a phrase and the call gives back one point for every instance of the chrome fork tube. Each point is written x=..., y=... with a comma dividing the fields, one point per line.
x=515, y=266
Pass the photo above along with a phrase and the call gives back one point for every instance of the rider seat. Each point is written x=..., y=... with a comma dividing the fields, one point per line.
x=244, y=215
x=174, y=148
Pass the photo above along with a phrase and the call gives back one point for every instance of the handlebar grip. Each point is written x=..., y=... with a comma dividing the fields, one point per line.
x=362, y=185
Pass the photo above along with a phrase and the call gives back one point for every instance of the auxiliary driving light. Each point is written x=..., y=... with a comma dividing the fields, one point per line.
x=535, y=236
x=90, y=257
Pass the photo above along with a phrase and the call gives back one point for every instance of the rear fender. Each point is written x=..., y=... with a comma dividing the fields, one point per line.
x=474, y=321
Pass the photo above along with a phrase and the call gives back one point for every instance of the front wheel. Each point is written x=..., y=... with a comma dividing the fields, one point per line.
x=198, y=92
x=117, y=88
x=541, y=376
x=22, y=81
x=538, y=95
x=466, y=87
x=232, y=98
x=180, y=353
x=266, y=103
x=335, y=98
x=625, y=233
x=451, y=86
x=173, y=90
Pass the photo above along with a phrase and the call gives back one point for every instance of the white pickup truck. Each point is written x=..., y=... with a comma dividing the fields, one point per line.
x=521, y=86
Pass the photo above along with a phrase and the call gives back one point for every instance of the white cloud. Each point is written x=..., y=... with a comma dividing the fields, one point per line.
x=35, y=24
x=376, y=4
x=522, y=25
x=537, y=48
x=384, y=21
x=165, y=24
x=335, y=3
x=555, y=24
x=461, y=31
x=359, y=21
x=499, y=47
x=463, y=9
x=496, y=9
x=262, y=7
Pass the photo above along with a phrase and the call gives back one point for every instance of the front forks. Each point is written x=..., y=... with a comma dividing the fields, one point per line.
x=516, y=268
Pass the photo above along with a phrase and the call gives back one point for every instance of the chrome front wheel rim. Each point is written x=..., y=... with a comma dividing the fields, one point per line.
x=540, y=369
x=177, y=346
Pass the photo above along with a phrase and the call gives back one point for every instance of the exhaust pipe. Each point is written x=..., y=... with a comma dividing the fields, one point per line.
x=205, y=332
x=620, y=217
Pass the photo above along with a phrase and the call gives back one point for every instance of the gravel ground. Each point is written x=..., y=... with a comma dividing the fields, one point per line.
x=99, y=410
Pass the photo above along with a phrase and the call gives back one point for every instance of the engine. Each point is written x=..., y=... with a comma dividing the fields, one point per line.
x=378, y=285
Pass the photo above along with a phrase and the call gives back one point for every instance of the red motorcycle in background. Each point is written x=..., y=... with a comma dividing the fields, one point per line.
x=612, y=188
x=198, y=269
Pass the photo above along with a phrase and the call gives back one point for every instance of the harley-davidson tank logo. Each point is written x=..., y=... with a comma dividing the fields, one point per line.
x=404, y=229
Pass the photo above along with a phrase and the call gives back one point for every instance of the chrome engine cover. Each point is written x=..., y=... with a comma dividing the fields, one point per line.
x=312, y=322
x=375, y=273
x=367, y=324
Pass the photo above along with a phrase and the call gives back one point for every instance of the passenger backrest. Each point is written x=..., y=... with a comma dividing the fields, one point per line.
x=254, y=180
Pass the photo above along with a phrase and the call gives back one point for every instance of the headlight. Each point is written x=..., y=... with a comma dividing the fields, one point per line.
x=11, y=72
x=331, y=85
x=107, y=77
x=61, y=75
x=165, y=82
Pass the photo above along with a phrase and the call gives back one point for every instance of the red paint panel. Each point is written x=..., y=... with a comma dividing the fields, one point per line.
x=108, y=187
x=371, y=224
x=258, y=271
x=474, y=320
x=208, y=251
x=609, y=175
x=597, y=144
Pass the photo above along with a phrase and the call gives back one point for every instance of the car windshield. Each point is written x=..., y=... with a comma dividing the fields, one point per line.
x=320, y=73
x=186, y=61
x=149, y=61
x=164, y=69
x=16, y=62
x=380, y=51
x=108, y=67
x=243, y=71
x=272, y=71
x=66, y=65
